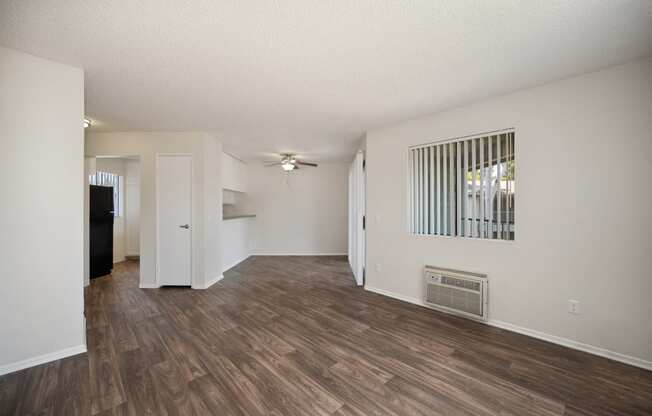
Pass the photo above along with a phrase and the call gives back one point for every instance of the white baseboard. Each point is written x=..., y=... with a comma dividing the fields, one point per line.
x=232, y=265
x=42, y=359
x=149, y=286
x=209, y=283
x=84, y=330
x=576, y=345
x=263, y=253
x=204, y=286
x=395, y=295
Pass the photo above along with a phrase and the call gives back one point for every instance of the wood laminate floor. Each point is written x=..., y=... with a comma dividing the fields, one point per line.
x=293, y=336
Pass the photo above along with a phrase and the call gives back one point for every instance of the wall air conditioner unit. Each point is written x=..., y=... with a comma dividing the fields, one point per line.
x=457, y=292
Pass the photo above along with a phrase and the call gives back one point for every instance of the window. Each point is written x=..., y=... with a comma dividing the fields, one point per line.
x=463, y=187
x=111, y=180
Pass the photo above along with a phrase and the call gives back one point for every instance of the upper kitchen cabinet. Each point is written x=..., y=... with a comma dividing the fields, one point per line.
x=234, y=174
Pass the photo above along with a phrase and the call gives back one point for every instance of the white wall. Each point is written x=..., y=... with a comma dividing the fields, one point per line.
x=41, y=214
x=303, y=212
x=207, y=194
x=132, y=207
x=236, y=240
x=584, y=230
x=212, y=215
x=117, y=167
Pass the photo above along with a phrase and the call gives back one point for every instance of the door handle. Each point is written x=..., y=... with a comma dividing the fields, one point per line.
x=186, y=226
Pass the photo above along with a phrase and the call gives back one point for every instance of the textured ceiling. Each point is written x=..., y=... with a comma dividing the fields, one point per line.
x=311, y=76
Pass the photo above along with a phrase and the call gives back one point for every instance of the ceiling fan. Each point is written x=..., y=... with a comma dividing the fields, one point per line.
x=289, y=162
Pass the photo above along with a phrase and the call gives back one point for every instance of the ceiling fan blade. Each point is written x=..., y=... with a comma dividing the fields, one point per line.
x=267, y=164
x=314, y=165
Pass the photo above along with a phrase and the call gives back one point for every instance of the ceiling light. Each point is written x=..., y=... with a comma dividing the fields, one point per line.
x=87, y=122
x=287, y=166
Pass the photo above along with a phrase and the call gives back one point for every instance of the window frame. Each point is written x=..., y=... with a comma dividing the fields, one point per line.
x=409, y=199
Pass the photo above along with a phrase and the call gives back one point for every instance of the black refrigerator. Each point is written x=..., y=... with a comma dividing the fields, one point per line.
x=101, y=230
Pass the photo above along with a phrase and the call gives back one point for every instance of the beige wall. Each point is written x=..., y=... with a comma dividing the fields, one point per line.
x=304, y=212
x=207, y=195
x=584, y=229
x=41, y=214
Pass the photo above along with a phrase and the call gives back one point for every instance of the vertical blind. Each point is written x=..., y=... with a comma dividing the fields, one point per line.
x=463, y=187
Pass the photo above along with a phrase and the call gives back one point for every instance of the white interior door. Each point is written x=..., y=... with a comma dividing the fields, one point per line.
x=357, y=211
x=174, y=208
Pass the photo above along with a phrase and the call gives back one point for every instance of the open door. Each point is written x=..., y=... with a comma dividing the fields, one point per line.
x=357, y=218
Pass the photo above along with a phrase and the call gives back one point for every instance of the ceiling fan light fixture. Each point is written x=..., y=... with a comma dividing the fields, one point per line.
x=289, y=162
x=287, y=166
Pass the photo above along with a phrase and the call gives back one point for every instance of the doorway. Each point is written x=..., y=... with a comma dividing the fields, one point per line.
x=112, y=220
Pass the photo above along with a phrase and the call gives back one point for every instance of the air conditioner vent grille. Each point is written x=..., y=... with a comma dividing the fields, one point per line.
x=464, y=301
x=455, y=292
x=463, y=283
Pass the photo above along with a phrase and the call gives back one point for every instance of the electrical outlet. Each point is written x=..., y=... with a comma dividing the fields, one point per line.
x=378, y=267
x=574, y=306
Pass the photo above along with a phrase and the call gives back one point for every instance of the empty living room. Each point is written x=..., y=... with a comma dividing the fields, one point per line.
x=346, y=208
